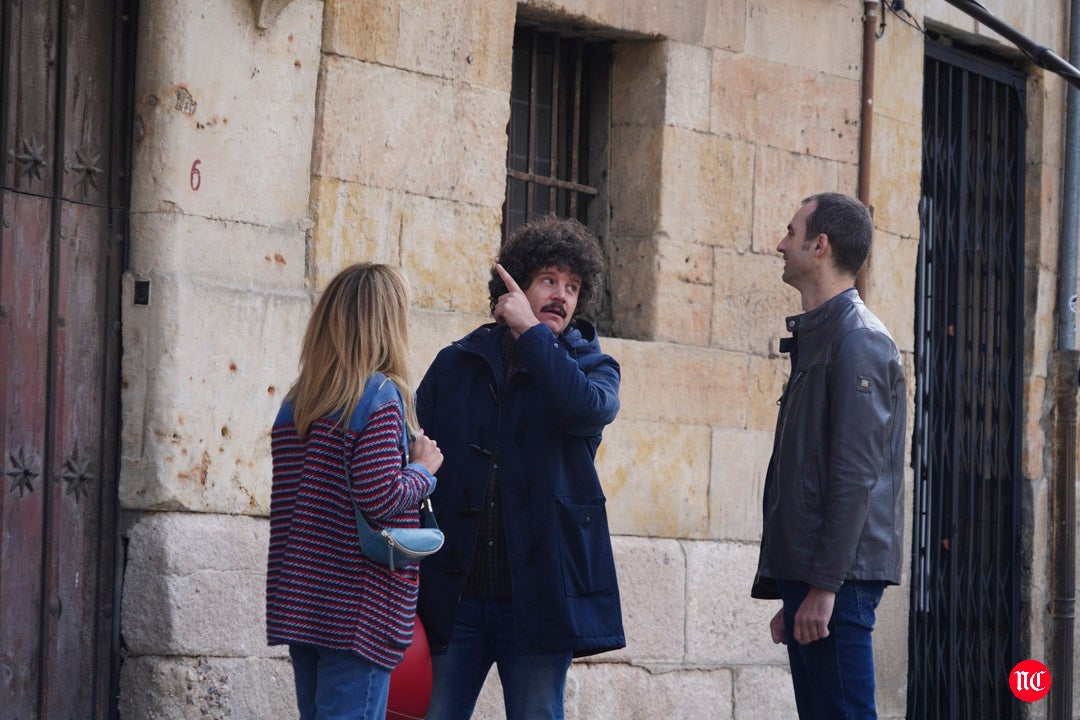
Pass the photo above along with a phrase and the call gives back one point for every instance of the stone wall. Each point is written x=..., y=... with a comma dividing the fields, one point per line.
x=348, y=130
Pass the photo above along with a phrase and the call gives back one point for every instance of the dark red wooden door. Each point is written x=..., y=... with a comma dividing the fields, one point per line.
x=65, y=70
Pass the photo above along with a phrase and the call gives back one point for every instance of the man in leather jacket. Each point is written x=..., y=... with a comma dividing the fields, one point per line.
x=833, y=501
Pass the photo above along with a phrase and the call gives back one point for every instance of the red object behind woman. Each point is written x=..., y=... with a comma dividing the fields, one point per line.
x=410, y=683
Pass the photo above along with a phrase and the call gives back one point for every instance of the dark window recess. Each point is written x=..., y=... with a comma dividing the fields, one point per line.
x=547, y=159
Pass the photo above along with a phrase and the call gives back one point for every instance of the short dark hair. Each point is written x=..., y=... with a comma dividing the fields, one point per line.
x=848, y=224
x=551, y=241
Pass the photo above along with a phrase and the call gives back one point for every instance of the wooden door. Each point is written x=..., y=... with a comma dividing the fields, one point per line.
x=65, y=70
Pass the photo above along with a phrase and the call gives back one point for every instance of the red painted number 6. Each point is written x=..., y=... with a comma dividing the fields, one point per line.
x=196, y=176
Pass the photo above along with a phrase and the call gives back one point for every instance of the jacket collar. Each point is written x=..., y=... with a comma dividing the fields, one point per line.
x=486, y=340
x=814, y=318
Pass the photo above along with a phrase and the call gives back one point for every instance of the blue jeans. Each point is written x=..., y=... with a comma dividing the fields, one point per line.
x=337, y=685
x=483, y=633
x=834, y=676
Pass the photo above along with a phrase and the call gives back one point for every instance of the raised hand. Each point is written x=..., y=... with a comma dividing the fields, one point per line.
x=513, y=308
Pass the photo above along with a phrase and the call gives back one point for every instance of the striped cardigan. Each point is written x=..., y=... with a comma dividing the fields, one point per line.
x=320, y=589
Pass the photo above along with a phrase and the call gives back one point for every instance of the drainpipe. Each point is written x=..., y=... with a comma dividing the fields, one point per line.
x=1066, y=366
x=866, y=119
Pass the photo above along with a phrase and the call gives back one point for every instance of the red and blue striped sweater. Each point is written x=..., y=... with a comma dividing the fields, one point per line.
x=320, y=589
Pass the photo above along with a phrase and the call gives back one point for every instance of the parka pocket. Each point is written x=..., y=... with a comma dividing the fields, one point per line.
x=588, y=567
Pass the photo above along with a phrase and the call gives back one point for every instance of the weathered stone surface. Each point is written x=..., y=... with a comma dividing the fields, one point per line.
x=446, y=249
x=223, y=123
x=639, y=83
x=469, y=42
x=680, y=20
x=751, y=302
x=766, y=385
x=698, y=383
x=764, y=693
x=688, y=72
x=400, y=148
x=898, y=83
x=194, y=585
x=1038, y=415
x=818, y=35
x=652, y=587
x=891, y=286
x=431, y=331
x=739, y=461
x=803, y=111
x=606, y=13
x=183, y=688
x=636, y=158
x=782, y=180
x=205, y=368
x=632, y=282
x=656, y=477
x=603, y=690
x=706, y=194
x=247, y=255
x=897, y=167
x=725, y=24
x=684, y=293
x=724, y=626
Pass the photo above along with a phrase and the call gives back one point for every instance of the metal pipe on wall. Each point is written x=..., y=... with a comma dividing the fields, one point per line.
x=866, y=119
x=1066, y=367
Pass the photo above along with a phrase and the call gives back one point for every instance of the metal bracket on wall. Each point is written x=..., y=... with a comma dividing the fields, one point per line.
x=267, y=10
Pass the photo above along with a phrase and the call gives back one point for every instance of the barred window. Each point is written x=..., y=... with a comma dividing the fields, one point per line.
x=558, y=105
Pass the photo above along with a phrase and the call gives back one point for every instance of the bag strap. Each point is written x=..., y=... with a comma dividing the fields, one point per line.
x=375, y=395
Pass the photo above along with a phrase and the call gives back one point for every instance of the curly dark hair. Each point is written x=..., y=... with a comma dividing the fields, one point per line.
x=551, y=241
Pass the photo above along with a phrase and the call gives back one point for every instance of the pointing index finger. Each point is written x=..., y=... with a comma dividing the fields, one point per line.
x=507, y=279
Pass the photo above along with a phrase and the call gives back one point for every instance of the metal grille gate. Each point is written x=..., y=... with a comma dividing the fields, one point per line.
x=964, y=624
x=65, y=71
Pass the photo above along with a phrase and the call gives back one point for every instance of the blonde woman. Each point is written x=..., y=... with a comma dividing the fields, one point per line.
x=346, y=619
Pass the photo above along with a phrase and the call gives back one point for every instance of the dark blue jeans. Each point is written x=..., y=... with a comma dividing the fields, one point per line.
x=483, y=633
x=337, y=685
x=834, y=676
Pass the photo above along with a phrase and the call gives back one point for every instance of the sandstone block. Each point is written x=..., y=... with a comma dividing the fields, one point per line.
x=679, y=20
x=767, y=379
x=891, y=286
x=652, y=587
x=804, y=111
x=725, y=626
x=1036, y=417
x=656, y=478
x=707, y=189
x=782, y=180
x=632, y=282
x=465, y=41
x=697, y=383
x=445, y=248
x=807, y=24
x=606, y=13
x=740, y=459
x=246, y=254
x=430, y=331
x=636, y=159
x=891, y=649
x=725, y=24
x=639, y=81
x=182, y=688
x=401, y=148
x=205, y=368
x=194, y=585
x=764, y=693
x=603, y=690
x=751, y=302
x=688, y=71
x=224, y=111
x=684, y=293
x=898, y=84
x=897, y=156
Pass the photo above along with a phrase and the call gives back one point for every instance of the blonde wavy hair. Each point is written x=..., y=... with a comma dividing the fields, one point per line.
x=360, y=326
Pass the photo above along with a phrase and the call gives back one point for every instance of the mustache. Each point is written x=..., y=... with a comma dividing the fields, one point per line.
x=556, y=308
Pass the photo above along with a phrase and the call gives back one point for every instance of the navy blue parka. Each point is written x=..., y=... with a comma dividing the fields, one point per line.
x=539, y=435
